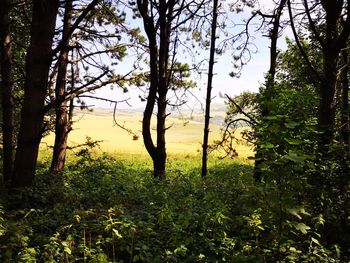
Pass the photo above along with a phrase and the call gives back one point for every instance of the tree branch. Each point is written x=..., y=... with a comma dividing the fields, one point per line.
x=65, y=39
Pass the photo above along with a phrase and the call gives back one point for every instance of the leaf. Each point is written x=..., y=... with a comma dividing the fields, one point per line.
x=314, y=240
x=295, y=157
x=302, y=228
x=267, y=146
x=302, y=210
x=116, y=232
x=67, y=250
x=337, y=250
x=294, y=141
x=181, y=250
x=294, y=211
x=144, y=247
x=291, y=124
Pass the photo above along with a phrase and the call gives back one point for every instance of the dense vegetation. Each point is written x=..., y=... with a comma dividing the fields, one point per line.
x=292, y=204
x=105, y=209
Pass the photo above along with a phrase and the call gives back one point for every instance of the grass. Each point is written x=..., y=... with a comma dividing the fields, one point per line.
x=183, y=138
x=109, y=209
x=106, y=207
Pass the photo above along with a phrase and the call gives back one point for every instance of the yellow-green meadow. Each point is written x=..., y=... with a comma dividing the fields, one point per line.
x=182, y=138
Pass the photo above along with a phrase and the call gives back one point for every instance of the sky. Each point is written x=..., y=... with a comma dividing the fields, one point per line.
x=251, y=78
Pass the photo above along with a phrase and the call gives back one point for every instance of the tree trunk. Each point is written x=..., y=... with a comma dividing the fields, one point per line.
x=62, y=125
x=270, y=84
x=344, y=130
x=6, y=91
x=38, y=61
x=159, y=80
x=152, y=95
x=159, y=161
x=209, y=88
x=326, y=117
x=62, y=128
x=335, y=41
x=163, y=85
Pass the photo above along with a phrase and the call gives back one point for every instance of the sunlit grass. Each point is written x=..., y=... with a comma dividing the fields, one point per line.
x=183, y=139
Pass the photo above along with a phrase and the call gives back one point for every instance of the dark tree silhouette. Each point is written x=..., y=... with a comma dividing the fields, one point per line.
x=38, y=61
x=6, y=85
x=209, y=88
x=161, y=19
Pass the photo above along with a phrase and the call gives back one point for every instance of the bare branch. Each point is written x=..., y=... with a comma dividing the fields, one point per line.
x=251, y=119
x=301, y=49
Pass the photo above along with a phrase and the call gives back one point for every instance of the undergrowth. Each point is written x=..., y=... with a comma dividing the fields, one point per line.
x=109, y=209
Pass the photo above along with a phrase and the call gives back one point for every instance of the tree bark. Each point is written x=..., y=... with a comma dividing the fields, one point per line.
x=6, y=91
x=62, y=124
x=335, y=41
x=344, y=130
x=270, y=84
x=326, y=118
x=209, y=88
x=159, y=81
x=159, y=161
x=38, y=61
x=152, y=95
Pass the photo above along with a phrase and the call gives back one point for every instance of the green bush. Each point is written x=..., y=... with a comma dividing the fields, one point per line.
x=111, y=210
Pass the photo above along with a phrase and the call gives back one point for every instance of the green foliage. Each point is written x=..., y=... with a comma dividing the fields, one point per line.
x=104, y=209
x=287, y=137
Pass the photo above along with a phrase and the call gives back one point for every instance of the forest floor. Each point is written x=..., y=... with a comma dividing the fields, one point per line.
x=110, y=209
x=106, y=207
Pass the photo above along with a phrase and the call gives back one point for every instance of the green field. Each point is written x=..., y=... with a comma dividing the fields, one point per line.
x=184, y=137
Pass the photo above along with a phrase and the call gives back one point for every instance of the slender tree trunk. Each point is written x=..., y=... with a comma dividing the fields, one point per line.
x=38, y=61
x=152, y=95
x=209, y=88
x=274, y=35
x=326, y=115
x=270, y=84
x=159, y=162
x=62, y=125
x=335, y=41
x=6, y=91
x=344, y=130
x=159, y=80
x=163, y=85
x=62, y=128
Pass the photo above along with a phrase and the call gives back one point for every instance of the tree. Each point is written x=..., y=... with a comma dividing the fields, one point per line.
x=247, y=103
x=344, y=88
x=62, y=126
x=269, y=91
x=38, y=61
x=87, y=59
x=332, y=38
x=6, y=86
x=209, y=88
x=162, y=21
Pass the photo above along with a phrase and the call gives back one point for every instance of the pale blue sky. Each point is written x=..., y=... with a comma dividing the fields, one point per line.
x=252, y=74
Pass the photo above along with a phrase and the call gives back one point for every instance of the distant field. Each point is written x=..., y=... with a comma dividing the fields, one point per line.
x=182, y=137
